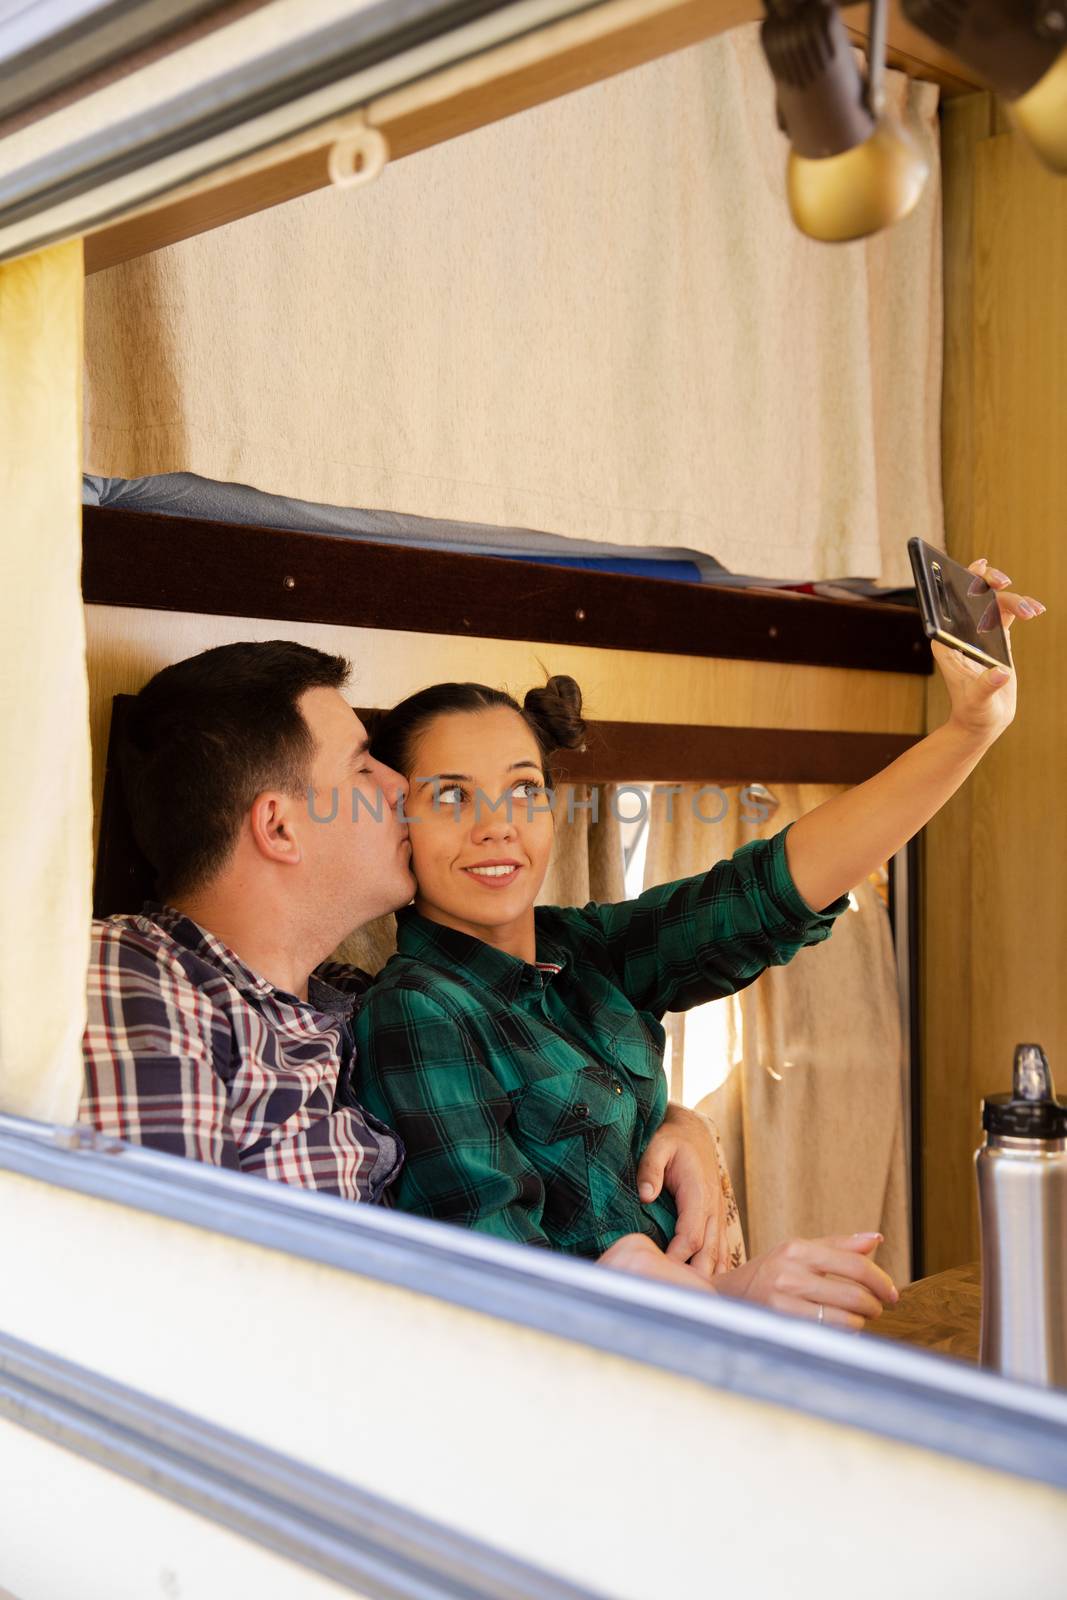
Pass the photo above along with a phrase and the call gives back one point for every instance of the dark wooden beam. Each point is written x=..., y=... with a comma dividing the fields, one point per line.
x=635, y=752
x=663, y=752
x=224, y=569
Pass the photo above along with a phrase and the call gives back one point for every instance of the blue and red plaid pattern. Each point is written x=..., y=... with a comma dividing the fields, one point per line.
x=189, y=1051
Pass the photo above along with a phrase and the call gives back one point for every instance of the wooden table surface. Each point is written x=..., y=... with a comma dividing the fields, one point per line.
x=939, y=1313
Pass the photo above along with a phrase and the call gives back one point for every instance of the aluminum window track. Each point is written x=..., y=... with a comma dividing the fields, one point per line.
x=330, y=70
x=47, y=46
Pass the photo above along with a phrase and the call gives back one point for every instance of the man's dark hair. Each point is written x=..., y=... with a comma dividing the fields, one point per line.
x=204, y=737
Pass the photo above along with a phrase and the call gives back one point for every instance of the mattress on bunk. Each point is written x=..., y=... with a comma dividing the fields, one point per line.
x=185, y=494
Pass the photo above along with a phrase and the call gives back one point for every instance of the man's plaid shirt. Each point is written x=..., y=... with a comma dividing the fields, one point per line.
x=525, y=1094
x=189, y=1051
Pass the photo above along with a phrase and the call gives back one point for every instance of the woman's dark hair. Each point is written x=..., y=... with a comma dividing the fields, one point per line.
x=553, y=715
x=204, y=737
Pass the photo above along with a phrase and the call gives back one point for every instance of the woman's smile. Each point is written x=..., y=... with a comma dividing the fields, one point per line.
x=494, y=874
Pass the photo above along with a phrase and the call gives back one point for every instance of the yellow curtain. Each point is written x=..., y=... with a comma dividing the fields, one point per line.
x=803, y=1071
x=594, y=318
x=45, y=807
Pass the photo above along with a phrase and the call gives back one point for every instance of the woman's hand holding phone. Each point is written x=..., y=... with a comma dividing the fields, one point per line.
x=831, y=849
x=983, y=700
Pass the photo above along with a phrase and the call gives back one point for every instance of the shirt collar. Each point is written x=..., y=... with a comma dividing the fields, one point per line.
x=322, y=995
x=450, y=949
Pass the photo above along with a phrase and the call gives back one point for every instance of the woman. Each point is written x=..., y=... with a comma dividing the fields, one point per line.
x=518, y=1050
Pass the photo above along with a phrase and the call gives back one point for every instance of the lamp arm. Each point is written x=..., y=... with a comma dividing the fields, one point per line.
x=876, y=57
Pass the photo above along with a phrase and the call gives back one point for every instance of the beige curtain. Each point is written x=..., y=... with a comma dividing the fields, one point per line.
x=803, y=1071
x=587, y=860
x=594, y=318
x=45, y=796
x=586, y=865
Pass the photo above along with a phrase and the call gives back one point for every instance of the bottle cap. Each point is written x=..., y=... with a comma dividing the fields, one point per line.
x=1031, y=1111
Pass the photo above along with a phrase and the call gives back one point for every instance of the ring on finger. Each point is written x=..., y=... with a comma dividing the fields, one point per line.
x=822, y=1313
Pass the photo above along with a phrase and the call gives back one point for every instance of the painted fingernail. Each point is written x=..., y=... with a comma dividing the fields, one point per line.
x=994, y=576
x=868, y=1235
x=1038, y=607
x=1025, y=609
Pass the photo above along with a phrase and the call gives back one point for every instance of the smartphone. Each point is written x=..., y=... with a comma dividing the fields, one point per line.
x=958, y=607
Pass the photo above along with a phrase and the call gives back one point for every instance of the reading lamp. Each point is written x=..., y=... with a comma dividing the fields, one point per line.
x=852, y=167
x=1018, y=47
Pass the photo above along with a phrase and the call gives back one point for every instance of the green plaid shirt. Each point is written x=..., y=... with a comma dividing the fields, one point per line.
x=525, y=1095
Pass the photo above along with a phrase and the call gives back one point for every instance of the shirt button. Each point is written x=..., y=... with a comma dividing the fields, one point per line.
x=617, y=1087
x=581, y=1111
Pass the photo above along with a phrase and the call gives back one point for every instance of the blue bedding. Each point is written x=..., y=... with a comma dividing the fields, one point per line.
x=185, y=494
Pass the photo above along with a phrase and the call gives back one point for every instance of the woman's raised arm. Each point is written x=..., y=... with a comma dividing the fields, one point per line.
x=837, y=845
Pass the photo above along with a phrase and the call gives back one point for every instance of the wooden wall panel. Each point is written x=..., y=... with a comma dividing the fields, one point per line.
x=995, y=922
x=1019, y=838
x=948, y=1124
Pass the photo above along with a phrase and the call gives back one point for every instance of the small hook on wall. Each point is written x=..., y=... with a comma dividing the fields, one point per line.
x=357, y=158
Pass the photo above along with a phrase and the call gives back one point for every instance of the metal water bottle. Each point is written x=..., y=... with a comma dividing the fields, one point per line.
x=1022, y=1203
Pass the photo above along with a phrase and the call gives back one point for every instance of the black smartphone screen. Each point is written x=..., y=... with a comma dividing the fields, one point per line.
x=958, y=607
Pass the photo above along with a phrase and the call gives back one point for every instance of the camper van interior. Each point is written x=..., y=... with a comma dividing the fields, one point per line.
x=629, y=343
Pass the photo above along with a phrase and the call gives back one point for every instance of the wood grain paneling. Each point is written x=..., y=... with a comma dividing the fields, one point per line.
x=939, y=1313
x=995, y=925
x=948, y=1120
x=1019, y=838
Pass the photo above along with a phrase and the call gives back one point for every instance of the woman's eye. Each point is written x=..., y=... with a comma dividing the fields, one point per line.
x=450, y=795
x=532, y=787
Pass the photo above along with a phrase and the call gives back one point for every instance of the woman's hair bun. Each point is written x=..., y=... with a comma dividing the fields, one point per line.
x=556, y=711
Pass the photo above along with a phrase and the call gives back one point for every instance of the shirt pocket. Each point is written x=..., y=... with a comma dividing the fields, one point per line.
x=557, y=1122
x=568, y=1105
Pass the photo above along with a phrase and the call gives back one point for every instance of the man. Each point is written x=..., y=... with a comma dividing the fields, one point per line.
x=215, y=1030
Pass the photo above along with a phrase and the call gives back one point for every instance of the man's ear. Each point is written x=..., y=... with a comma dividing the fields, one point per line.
x=271, y=821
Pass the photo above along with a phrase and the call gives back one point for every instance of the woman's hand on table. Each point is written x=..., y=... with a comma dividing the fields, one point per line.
x=983, y=699
x=797, y=1277
x=801, y=1275
x=681, y=1157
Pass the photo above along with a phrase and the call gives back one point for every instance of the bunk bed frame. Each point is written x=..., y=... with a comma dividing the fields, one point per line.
x=148, y=561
